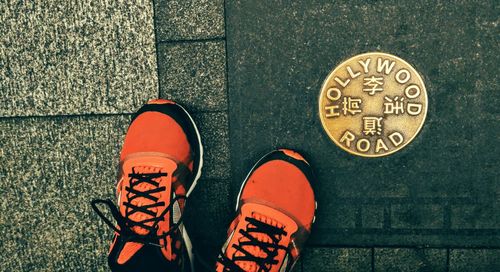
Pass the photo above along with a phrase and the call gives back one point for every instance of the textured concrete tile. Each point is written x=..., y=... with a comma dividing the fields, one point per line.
x=372, y=216
x=194, y=74
x=50, y=170
x=417, y=216
x=208, y=215
x=487, y=42
x=483, y=216
x=404, y=259
x=336, y=215
x=278, y=56
x=74, y=57
x=215, y=137
x=336, y=259
x=484, y=260
x=189, y=19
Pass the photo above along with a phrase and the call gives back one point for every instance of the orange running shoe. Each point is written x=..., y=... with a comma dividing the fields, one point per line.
x=160, y=163
x=275, y=212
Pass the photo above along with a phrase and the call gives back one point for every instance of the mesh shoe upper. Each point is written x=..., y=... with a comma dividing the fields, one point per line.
x=159, y=163
x=275, y=212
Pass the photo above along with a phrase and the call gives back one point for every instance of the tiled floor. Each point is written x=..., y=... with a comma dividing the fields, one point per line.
x=410, y=209
x=72, y=72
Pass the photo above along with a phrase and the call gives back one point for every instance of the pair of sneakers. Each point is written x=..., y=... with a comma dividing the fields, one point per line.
x=160, y=164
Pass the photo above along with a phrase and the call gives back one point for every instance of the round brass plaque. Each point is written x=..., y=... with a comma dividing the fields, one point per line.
x=373, y=104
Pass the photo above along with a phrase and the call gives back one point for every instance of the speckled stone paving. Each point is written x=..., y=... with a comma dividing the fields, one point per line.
x=189, y=19
x=71, y=72
x=51, y=168
x=76, y=57
x=194, y=74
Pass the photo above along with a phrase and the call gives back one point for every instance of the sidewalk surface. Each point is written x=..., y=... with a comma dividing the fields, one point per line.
x=72, y=72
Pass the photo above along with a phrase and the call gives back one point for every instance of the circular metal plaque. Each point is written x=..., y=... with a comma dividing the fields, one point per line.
x=373, y=104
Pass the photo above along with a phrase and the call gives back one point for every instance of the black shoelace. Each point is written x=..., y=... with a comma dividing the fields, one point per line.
x=125, y=224
x=271, y=248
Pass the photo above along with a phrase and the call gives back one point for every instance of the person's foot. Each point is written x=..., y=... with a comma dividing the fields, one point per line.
x=160, y=163
x=275, y=212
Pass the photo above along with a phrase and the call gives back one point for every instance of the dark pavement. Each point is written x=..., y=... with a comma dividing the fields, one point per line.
x=251, y=73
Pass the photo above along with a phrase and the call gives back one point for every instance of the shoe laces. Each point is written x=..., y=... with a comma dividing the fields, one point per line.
x=257, y=248
x=141, y=219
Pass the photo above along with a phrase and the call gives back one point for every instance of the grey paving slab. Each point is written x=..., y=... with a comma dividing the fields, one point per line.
x=76, y=57
x=485, y=260
x=194, y=74
x=208, y=215
x=280, y=53
x=344, y=217
x=372, y=216
x=488, y=41
x=189, y=19
x=417, y=216
x=215, y=138
x=50, y=170
x=337, y=259
x=479, y=216
x=404, y=259
x=52, y=167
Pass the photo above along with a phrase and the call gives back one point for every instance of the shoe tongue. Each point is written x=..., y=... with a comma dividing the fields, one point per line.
x=262, y=237
x=143, y=201
x=144, y=166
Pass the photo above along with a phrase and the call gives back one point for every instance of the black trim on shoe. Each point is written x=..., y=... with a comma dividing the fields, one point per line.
x=279, y=155
x=149, y=258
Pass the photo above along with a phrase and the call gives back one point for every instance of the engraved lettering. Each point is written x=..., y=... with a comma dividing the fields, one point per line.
x=351, y=105
x=380, y=145
x=348, y=138
x=342, y=83
x=333, y=94
x=373, y=104
x=365, y=64
x=363, y=145
x=412, y=91
x=372, y=125
x=331, y=111
x=353, y=75
x=413, y=108
x=396, y=138
x=373, y=84
x=403, y=76
x=394, y=105
x=386, y=65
